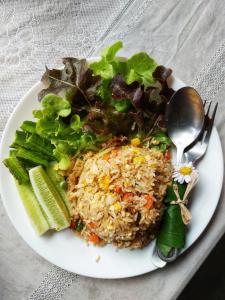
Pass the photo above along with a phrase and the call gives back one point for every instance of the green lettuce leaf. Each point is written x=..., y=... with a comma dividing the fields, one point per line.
x=103, y=68
x=120, y=75
x=122, y=105
x=75, y=123
x=55, y=106
x=108, y=66
x=141, y=66
x=64, y=160
x=160, y=141
x=161, y=137
x=49, y=127
x=104, y=92
x=38, y=114
x=110, y=52
x=132, y=76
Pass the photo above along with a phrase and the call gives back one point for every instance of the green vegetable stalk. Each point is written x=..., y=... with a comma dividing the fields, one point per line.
x=32, y=156
x=17, y=169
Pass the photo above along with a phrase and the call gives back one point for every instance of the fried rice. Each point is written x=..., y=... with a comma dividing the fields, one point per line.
x=118, y=195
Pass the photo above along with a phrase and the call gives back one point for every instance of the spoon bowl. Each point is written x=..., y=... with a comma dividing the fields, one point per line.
x=184, y=118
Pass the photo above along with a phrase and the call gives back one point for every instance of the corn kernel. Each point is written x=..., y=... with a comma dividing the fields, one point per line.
x=117, y=206
x=139, y=159
x=84, y=182
x=104, y=182
x=126, y=183
x=135, y=142
x=136, y=150
x=154, y=164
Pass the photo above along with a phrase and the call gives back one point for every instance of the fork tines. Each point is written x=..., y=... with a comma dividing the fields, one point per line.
x=209, y=121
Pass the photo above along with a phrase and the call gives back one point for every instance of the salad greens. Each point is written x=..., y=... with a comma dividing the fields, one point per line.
x=139, y=67
x=160, y=141
x=55, y=106
x=136, y=86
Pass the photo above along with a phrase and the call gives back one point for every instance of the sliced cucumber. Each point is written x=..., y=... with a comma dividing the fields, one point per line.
x=33, y=209
x=60, y=184
x=49, y=199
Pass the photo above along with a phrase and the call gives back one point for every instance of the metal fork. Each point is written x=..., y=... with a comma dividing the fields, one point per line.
x=197, y=150
x=193, y=153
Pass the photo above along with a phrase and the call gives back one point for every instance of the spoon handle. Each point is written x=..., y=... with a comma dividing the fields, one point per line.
x=180, y=152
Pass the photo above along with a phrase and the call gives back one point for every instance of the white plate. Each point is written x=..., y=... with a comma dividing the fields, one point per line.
x=71, y=253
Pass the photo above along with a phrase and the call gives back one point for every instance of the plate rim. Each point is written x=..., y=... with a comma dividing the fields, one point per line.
x=4, y=200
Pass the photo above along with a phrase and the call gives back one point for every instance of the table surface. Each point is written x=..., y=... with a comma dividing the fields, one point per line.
x=181, y=34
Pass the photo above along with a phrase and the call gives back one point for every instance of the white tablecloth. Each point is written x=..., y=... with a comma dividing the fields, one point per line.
x=182, y=34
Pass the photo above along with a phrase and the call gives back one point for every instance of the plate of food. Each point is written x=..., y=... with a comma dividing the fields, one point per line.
x=87, y=166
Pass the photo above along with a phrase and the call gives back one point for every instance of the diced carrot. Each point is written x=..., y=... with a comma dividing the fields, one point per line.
x=118, y=190
x=106, y=156
x=167, y=155
x=114, y=151
x=149, y=202
x=94, y=238
x=92, y=225
x=127, y=196
x=73, y=224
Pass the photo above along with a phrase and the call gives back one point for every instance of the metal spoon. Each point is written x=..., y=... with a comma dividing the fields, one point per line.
x=184, y=118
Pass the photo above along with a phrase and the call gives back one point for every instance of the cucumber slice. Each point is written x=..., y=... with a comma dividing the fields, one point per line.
x=49, y=199
x=33, y=209
x=60, y=184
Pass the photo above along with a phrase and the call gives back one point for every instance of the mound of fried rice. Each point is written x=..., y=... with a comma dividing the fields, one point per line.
x=118, y=195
